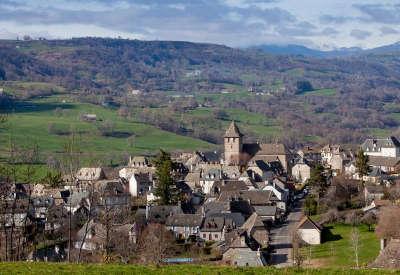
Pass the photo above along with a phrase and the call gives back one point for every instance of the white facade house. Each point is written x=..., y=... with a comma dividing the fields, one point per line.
x=301, y=172
x=139, y=184
x=383, y=147
x=309, y=231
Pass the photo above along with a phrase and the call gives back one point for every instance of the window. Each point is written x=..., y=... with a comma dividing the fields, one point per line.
x=216, y=236
x=204, y=236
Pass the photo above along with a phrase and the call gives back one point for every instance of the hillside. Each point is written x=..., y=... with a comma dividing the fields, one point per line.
x=346, y=100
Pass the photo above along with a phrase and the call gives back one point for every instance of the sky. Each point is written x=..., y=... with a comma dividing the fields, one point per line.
x=320, y=24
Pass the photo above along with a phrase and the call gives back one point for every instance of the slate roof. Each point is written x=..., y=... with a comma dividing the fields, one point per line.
x=389, y=257
x=256, y=197
x=372, y=144
x=191, y=220
x=374, y=189
x=265, y=210
x=160, y=213
x=307, y=223
x=233, y=131
x=230, y=185
x=273, y=149
x=383, y=161
x=217, y=223
x=246, y=257
x=236, y=217
x=216, y=207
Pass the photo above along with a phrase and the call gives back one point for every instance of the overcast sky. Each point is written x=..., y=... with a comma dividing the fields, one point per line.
x=323, y=24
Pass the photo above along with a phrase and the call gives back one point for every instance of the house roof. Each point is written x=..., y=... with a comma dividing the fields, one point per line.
x=371, y=144
x=160, y=213
x=265, y=210
x=215, y=207
x=191, y=220
x=90, y=174
x=375, y=172
x=383, y=161
x=256, y=197
x=374, y=189
x=231, y=185
x=307, y=223
x=139, y=159
x=389, y=256
x=272, y=149
x=245, y=257
x=236, y=217
x=233, y=131
x=215, y=224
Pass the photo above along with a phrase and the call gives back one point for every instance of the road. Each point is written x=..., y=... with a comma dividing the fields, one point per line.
x=281, y=238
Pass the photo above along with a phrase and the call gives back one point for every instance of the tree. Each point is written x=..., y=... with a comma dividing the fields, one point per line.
x=53, y=179
x=155, y=244
x=165, y=189
x=2, y=74
x=310, y=205
x=304, y=86
x=298, y=256
x=318, y=179
x=355, y=243
x=369, y=219
x=362, y=163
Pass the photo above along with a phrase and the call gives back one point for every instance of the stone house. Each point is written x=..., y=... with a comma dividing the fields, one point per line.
x=386, y=164
x=238, y=253
x=214, y=228
x=184, y=225
x=139, y=162
x=373, y=193
x=309, y=231
x=90, y=174
x=139, y=184
x=301, y=171
x=382, y=147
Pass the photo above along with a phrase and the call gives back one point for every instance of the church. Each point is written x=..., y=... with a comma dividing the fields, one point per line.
x=238, y=153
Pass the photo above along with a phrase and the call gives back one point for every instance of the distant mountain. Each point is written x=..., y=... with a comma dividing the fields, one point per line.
x=293, y=49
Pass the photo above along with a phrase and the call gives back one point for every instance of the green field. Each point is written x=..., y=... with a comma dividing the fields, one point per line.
x=48, y=268
x=322, y=92
x=28, y=124
x=336, y=249
x=258, y=124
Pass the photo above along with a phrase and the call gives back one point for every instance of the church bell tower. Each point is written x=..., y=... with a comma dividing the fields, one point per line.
x=233, y=144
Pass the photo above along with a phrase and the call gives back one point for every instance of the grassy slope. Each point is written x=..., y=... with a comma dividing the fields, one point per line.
x=337, y=249
x=256, y=123
x=322, y=92
x=28, y=124
x=46, y=268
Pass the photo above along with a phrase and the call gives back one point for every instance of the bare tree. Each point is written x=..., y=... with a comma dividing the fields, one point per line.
x=298, y=257
x=355, y=243
x=155, y=244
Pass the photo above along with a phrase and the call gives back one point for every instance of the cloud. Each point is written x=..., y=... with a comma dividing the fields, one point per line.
x=328, y=19
x=231, y=22
x=388, y=14
x=385, y=30
x=360, y=34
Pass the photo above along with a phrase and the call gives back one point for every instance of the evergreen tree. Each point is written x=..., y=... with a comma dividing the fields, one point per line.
x=165, y=189
x=362, y=163
x=318, y=179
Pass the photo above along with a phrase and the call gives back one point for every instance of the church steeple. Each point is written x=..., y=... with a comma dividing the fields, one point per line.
x=233, y=143
x=233, y=131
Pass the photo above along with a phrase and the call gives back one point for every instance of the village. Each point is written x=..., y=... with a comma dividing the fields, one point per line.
x=249, y=205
